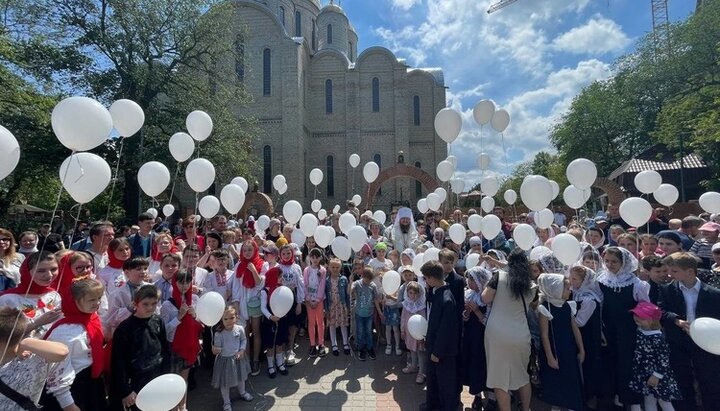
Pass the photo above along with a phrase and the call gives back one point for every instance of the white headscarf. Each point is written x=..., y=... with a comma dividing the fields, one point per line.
x=551, y=288
x=414, y=306
x=481, y=276
x=589, y=289
x=408, y=252
x=598, y=244
x=624, y=276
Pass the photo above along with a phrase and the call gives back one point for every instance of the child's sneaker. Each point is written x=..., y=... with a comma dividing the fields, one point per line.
x=420, y=379
x=410, y=370
x=290, y=358
x=398, y=351
x=322, y=351
x=227, y=407
x=388, y=349
x=313, y=352
x=346, y=349
x=246, y=396
x=362, y=356
x=371, y=354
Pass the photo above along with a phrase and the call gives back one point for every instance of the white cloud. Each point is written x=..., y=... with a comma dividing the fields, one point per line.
x=405, y=4
x=598, y=36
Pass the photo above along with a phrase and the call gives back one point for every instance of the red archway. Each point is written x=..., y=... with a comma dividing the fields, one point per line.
x=399, y=170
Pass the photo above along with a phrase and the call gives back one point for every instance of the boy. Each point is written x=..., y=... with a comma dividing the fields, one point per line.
x=442, y=342
x=365, y=294
x=649, y=244
x=140, y=349
x=682, y=301
x=657, y=275
x=169, y=266
x=703, y=246
x=669, y=242
x=455, y=281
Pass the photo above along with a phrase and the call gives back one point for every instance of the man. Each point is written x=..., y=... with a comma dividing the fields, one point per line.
x=506, y=226
x=690, y=230
x=219, y=223
x=142, y=241
x=613, y=216
x=403, y=234
x=560, y=218
x=100, y=234
x=658, y=221
x=79, y=240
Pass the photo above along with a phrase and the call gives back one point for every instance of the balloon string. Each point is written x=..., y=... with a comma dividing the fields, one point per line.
x=502, y=138
x=114, y=180
x=172, y=190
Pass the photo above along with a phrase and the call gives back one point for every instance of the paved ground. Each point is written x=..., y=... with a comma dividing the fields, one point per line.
x=328, y=383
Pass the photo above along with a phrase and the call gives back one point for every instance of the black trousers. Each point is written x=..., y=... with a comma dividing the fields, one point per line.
x=442, y=392
x=689, y=363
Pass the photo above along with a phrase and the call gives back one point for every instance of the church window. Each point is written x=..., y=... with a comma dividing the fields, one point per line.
x=328, y=97
x=267, y=71
x=330, y=176
x=416, y=110
x=267, y=170
x=240, y=58
x=377, y=160
x=329, y=33
x=418, y=185
x=282, y=15
x=375, y=95
x=314, y=36
x=298, y=27
x=350, y=51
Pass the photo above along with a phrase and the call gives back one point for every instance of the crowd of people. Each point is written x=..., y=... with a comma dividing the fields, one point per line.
x=85, y=327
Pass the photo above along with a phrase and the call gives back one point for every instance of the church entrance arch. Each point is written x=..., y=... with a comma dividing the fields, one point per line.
x=256, y=204
x=615, y=194
x=399, y=170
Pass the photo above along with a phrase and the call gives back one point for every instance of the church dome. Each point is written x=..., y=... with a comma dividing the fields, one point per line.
x=333, y=8
x=334, y=27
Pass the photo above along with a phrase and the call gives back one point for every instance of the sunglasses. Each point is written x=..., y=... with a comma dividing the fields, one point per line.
x=4, y=240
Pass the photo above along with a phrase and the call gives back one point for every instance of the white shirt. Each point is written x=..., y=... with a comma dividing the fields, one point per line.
x=691, y=296
x=63, y=375
x=169, y=315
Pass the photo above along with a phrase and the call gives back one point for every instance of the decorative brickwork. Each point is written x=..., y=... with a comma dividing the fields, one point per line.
x=399, y=170
x=611, y=188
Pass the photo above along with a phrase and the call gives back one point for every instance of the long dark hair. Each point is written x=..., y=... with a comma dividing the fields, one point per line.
x=518, y=273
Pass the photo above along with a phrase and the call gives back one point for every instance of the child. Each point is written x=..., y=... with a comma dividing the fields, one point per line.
x=162, y=244
x=365, y=294
x=111, y=276
x=652, y=375
x=23, y=373
x=245, y=296
x=183, y=331
x=380, y=263
x=217, y=281
x=473, y=353
x=77, y=380
x=314, y=278
x=657, y=275
x=562, y=345
x=274, y=329
x=535, y=269
x=336, y=305
x=168, y=268
x=413, y=303
x=292, y=277
x=122, y=302
x=391, y=320
x=591, y=260
x=394, y=257
x=596, y=238
x=648, y=245
x=407, y=257
x=141, y=350
x=231, y=364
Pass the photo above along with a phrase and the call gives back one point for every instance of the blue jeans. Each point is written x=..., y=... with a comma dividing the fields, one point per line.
x=363, y=332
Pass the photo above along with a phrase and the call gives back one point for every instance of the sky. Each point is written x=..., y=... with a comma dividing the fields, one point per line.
x=531, y=58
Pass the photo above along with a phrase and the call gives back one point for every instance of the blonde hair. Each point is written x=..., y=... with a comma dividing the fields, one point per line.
x=86, y=287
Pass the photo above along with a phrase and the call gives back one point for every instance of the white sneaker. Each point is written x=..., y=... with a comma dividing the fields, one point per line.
x=388, y=349
x=290, y=358
x=227, y=407
x=398, y=351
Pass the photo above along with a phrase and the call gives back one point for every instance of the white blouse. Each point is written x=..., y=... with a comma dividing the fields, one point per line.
x=33, y=306
x=61, y=378
x=169, y=315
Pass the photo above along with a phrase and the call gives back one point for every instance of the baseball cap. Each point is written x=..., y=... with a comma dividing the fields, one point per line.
x=647, y=311
x=710, y=227
x=381, y=246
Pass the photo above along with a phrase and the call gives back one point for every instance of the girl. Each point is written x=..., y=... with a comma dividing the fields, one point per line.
x=615, y=230
x=76, y=383
x=274, y=329
x=621, y=290
x=273, y=233
x=652, y=375
x=649, y=245
x=596, y=238
x=535, y=269
x=28, y=243
x=111, y=276
x=231, y=364
x=438, y=237
x=291, y=276
x=391, y=320
x=213, y=241
x=314, y=279
x=591, y=260
x=474, y=316
x=376, y=234
x=407, y=257
x=337, y=303
x=562, y=345
x=10, y=261
x=628, y=241
x=305, y=249
x=588, y=297
x=251, y=300
x=394, y=257
x=414, y=303
x=162, y=245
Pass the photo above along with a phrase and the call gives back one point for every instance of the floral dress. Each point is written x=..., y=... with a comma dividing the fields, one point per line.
x=652, y=356
x=338, y=312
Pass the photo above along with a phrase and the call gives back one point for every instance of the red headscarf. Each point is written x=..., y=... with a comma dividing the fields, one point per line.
x=272, y=280
x=242, y=271
x=27, y=285
x=156, y=255
x=290, y=261
x=185, y=344
x=113, y=261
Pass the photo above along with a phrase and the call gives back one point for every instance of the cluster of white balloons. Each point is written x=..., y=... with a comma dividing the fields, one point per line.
x=433, y=201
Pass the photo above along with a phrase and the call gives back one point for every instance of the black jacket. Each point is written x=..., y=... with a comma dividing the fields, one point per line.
x=443, y=336
x=672, y=304
x=456, y=282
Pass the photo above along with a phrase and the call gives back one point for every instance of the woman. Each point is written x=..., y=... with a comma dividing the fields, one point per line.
x=28, y=241
x=273, y=232
x=508, y=348
x=10, y=261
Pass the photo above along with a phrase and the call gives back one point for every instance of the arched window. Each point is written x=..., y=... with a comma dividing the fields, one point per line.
x=330, y=174
x=350, y=51
x=418, y=185
x=267, y=170
x=416, y=110
x=314, y=35
x=298, y=26
x=282, y=15
x=329, y=33
x=328, y=97
x=267, y=72
x=240, y=58
x=375, y=95
x=377, y=160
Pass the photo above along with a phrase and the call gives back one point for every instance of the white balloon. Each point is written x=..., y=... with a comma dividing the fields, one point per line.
x=574, y=197
x=647, y=181
x=390, y=282
x=566, y=248
x=472, y=260
x=483, y=161
x=539, y=252
x=422, y=205
x=298, y=237
x=510, y=196
x=210, y=308
x=200, y=174
x=168, y=210
x=357, y=200
x=418, y=261
x=457, y=186
x=9, y=152
x=81, y=123
x=346, y=222
x=262, y=223
x=209, y=206
x=379, y=216
x=452, y=160
x=581, y=173
x=417, y=327
x=431, y=254
x=127, y=116
x=555, y=188
x=448, y=124
x=705, y=332
x=322, y=214
x=336, y=209
x=487, y=204
x=84, y=176
x=199, y=125
x=354, y=160
x=232, y=197
x=525, y=236
x=241, y=182
x=500, y=120
x=544, y=218
x=153, y=178
x=278, y=181
x=153, y=212
x=371, y=171
x=483, y=111
x=181, y=146
x=491, y=226
x=341, y=248
x=444, y=170
x=433, y=201
x=489, y=186
x=282, y=189
x=281, y=301
x=308, y=224
x=323, y=237
x=316, y=176
x=710, y=202
x=635, y=211
x=666, y=194
x=357, y=237
x=292, y=211
x=441, y=193
x=162, y=393
x=457, y=233
x=316, y=205
x=536, y=192
x=475, y=223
